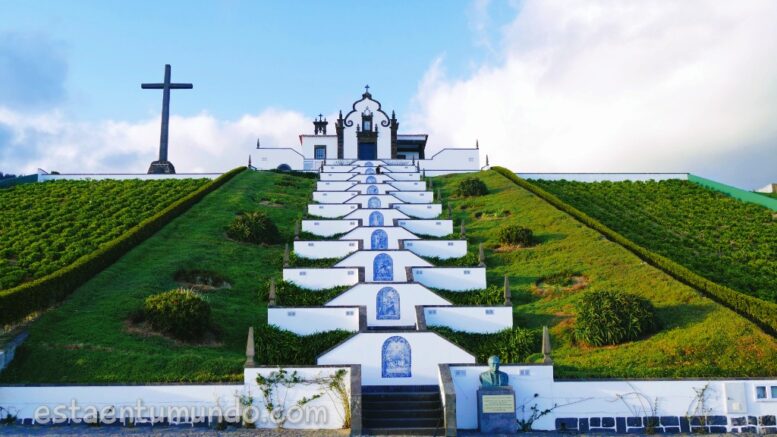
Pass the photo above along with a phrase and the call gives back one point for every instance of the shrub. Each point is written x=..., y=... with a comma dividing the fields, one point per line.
x=609, y=317
x=18, y=302
x=180, y=313
x=278, y=346
x=289, y=294
x=493, y=295
x=516, y=235
x=512, y=345
x=472, y=187
x=254, y=227
x=762, y=313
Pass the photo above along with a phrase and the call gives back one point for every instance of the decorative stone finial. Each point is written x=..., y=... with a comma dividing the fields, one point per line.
x=286, y=255
x=486, y=160
x=481, y=256
x=462, y=229
x=296, y=230
x=450, y=211
x=258, y=143
x=477, y=144
x=271, y=294
x=546, y=346
x=508, y=295
x=250, y=353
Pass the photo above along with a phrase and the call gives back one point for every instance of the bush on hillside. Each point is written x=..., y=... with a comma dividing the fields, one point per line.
x=290, y=294
x=511, y=345
x=472, y=187
x=180, y=313
x=278, y=346
x=254, y=227
x=609, y=317
x=516, y=235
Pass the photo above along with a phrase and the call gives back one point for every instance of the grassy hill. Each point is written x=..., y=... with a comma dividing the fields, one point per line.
x=727, y=241
x=44, y=227
x=86, y=339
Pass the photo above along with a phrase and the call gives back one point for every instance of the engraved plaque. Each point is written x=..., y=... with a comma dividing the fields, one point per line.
x=498, y=404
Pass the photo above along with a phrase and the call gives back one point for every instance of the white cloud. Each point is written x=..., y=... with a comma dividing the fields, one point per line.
x=619, y=86
x=199, y=143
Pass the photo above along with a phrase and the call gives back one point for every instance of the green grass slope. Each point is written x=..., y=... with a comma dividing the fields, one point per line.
x=44, y=227
x=727, y=241
x=699, y=337
x=86, y=339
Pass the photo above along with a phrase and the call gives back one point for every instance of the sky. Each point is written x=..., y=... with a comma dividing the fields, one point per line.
x=544, y=86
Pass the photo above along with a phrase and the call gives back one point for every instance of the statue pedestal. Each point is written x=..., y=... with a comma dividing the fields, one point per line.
x=161, y=167
x=496, y=410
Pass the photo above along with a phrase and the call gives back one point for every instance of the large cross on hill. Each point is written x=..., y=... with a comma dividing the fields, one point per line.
x=163, y=165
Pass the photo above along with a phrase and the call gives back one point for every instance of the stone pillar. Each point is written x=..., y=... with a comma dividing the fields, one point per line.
x=507, y=294
x=481, y=256
x=271, y=294
x=286, y=255
x=546, y=348
x=250, y=353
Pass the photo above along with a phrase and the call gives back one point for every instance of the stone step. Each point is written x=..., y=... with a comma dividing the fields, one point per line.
x=403, y=431
x=407, y=412
x=400, y=405
x=404, y=423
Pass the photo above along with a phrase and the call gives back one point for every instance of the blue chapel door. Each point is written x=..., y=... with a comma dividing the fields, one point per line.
x=368, y=151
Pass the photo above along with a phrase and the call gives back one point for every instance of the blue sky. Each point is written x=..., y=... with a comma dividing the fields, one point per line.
x=544, y=85
x=242, y=56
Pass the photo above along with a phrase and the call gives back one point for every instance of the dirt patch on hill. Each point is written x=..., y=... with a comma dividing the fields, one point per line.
x=143, y=329
x=560, y=283
x=201, y=280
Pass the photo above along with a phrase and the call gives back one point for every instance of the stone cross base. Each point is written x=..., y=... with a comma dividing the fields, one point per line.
x=161, y=167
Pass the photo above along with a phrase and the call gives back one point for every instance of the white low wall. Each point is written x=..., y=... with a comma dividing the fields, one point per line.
x=451, y=278
x=337, y=168
x=452, y=161
x=363, y=188
x=310, y=320
x=332, y=196
x=427, y=349
x=434, y=228
x=400, y=168
x=424, y=211
x=379, y=178
x=408, y=185
x=325, y=412
x=364, y=199
x=331, y=210
x=410, y=296
x=443, y=249
x=327, y=228
x=405, y=176
x=270, y=159
x=197, y=400
x=331, y=176
x=389, y=215
x=601, y=177
x=44, y=177
x=320, y=279
x=476, y=319
x=402, y=259
x=414, y=196
x=334, y=185
x=673, y=398
x=325, y=249
x=393, y=235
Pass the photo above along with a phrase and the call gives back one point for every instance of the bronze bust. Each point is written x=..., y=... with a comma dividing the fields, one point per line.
x=493, y=377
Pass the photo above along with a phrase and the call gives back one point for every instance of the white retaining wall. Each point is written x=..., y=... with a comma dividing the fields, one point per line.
x=379, y=178
x=382, y=188
x=401, y=260
x=320, y=279
x=270, y=159
x=423, y=211
x=389, y=215
x=452, y=160
x=601, y=177
x=611, y=398
x=477, y=319
x=327, y=228
x=310, y=320
x=426, y=350
x=410, y=295
x=405, y=176
x=451, y=278
x=435, y=228
x=442, y=249
x=331, y=210
x=332, y=176
x=44, y=177
x=414, y=196
x=408, y=185
x=325, y=249
x=393, y=234
x=331, y=405
x=332, y=196
x=334, y=185
x=363, y=200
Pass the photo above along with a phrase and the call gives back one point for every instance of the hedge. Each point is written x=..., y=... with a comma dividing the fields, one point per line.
x=18, y=302
x=760, y=312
